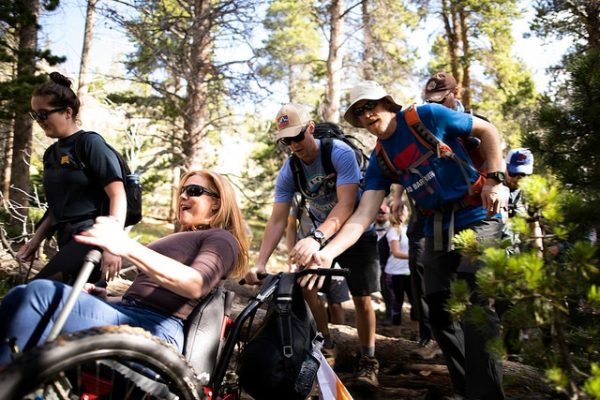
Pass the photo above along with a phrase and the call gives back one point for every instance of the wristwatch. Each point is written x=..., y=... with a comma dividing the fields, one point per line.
x=318, y=236
x=498, y=176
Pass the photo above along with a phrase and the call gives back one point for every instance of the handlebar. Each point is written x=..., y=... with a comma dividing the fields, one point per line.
x=308, y=271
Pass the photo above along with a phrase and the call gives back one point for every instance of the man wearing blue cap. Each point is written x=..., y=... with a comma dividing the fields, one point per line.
x=519, y=163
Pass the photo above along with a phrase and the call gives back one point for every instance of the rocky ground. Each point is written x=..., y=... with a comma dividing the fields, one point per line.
x=401, y=376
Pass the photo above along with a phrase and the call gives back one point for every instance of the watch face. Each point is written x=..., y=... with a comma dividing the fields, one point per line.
x=318, y=235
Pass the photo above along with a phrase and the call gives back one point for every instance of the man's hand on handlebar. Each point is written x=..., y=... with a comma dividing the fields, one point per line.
x=320, y=259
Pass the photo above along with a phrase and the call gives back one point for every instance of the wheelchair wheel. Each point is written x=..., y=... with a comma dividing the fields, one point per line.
x=101, y=363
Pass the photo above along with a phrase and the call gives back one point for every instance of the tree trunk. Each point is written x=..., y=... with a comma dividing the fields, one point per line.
x=331, y=110
x=466, y=60
x=368, y=72
x=85, y=51
x=450, y=26
x=196, y=109
x=19, y=176
x=6, y=148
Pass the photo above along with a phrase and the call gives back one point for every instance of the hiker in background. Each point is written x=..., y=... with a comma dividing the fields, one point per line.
x=519, y=163
x=331, y=297
x=333, y=198
x=382, y=224
x=75, y=197
x=396, y=266
x=443, y=89
x=445, y=187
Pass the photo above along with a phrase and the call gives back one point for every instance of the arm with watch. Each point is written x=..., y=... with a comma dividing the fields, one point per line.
x=310, y=245
x=493, y=195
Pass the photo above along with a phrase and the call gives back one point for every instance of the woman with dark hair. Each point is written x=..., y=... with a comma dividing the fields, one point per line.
x=75, y=196
x=176, y=272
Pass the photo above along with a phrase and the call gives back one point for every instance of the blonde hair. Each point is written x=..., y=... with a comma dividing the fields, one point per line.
x=396, y=214
x=228, y=216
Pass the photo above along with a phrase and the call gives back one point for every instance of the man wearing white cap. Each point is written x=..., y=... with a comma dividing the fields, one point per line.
x=439, y=184
x=333, y=198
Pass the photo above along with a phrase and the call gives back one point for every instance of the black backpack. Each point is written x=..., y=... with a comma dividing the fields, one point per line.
x=277, y=362
x=326, y=132
x=131, y=181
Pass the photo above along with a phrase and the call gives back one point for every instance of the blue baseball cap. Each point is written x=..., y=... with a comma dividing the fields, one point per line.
x=519, y=161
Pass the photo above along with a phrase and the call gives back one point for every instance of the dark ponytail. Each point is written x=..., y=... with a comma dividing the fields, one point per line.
x=59, y=93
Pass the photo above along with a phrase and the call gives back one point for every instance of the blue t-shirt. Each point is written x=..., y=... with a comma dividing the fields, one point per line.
x=439, y=181
x=347, y=172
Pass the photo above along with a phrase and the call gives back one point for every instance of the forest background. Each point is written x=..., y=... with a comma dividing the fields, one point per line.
x=197, y=84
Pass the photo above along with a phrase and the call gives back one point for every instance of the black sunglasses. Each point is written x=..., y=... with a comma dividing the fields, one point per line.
x=368, y=106
x=439, y=101
x=197, y=191
x=515, y=174
x=43, y=115
x=298, y=138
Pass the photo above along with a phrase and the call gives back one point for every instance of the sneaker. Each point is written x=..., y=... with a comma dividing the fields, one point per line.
x=330, y=354
x=366, y=374
x=427, y=350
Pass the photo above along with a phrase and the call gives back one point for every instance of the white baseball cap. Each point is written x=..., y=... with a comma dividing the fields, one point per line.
x=291, y=119
x=366, y=90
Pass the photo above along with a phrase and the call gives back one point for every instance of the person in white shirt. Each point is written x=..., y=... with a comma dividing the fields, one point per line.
x=396, y=267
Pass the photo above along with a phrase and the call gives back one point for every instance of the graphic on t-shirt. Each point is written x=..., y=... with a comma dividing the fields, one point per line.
x=324, y=187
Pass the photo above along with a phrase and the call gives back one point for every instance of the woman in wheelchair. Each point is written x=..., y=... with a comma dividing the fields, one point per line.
x=175, y=272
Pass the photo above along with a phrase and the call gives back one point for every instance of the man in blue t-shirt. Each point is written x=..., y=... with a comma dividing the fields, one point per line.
x=437, y=184
x=333, y=198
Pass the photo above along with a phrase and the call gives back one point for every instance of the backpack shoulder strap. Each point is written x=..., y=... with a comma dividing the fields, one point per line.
x=299, y=177
x=424, y=135
x=326, y=149
x=79, y=150
x=385, y=164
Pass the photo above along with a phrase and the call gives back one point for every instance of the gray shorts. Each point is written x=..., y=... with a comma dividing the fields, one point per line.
x=362, y=260
x=335, y=290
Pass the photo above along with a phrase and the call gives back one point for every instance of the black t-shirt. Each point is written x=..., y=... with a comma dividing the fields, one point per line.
x=72, y=193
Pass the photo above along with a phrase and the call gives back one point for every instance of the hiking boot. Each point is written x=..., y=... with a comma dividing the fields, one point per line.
x=427, y=350
x=330, y=354
x=366, y=374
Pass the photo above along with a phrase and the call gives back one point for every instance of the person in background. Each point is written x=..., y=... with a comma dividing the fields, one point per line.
x=333, y=199
x=382, y=225
x=396, y=266
x=176, y=272
x=443, y=89
x=75, y=197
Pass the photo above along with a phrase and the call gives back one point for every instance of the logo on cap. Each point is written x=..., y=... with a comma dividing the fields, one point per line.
x=431, y=85
x=521, y=158
x=283, y=122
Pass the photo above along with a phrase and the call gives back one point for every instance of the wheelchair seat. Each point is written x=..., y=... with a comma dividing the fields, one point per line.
x=203, y=330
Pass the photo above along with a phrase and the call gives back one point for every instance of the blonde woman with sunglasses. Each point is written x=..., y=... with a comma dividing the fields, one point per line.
x=175, y=272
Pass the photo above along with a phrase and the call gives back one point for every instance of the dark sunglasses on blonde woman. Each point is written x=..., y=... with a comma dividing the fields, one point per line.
x=197, y=191
x=43, y=115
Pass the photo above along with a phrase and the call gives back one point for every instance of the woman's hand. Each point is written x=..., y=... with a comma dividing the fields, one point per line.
x=111, y=265
x=94, y=290
x=27, y=251
x=107, y=234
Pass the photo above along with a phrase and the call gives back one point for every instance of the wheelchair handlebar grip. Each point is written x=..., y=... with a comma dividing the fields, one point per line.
x=260, y=275
x=325, y=272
